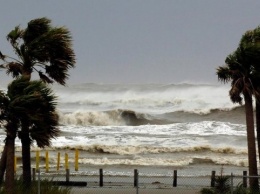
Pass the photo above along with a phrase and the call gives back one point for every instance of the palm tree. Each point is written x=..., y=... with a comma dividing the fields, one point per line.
x=238, y=70
x=40, y=118
x=250, y=42
x=43, y=49
x=35, y=103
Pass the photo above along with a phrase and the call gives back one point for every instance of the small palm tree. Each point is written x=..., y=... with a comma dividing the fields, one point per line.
x=238, y=70
x=46, y=50
x=20, y=104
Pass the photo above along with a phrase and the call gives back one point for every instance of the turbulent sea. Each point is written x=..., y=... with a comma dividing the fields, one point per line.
x=155, y=128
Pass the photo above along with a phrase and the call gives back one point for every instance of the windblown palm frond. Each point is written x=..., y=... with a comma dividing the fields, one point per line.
x=14, y=69
x=4, y=103
x=250, y=43
x=42, y=48
x=44, y=78
x=2, y=57
x=43, y=131
x=35, y=29
x=53, y=50
x=224, y=74
x=15, y=35
x=34, y=102
x=236, y=90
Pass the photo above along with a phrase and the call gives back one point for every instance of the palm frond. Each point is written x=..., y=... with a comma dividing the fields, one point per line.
x=41, y=45
x=44, y=78
x=35, y=29
x=237, y=87
x=14, y=35
x=224, y=74
x=54, y=47
x=4, y=103
x=58, y=71
x=35, y=103
x=2, y=57
x=14, y=68
x=45, y=130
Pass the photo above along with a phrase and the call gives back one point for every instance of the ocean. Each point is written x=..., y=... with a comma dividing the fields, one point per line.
x=156, y=128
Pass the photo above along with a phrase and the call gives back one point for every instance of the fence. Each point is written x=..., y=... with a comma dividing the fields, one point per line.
x=136, y=182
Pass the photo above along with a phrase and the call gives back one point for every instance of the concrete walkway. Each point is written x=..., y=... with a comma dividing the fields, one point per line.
x=85, y=190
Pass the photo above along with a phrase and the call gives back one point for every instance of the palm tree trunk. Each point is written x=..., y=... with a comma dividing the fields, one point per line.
x=258, y=126
x=252, y=161
x=3, y=164
x=9, y=176
x=26, y=155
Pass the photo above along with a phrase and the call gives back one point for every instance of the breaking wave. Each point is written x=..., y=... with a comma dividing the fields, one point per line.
x=106, y=118
x=120, y=117
x=133, y=150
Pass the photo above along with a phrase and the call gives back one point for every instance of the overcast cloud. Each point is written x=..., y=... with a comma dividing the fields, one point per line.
x=141, y=41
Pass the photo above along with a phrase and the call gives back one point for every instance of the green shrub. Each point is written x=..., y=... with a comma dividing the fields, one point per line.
x=222, y=184
x=240, y=189
x=207, y=191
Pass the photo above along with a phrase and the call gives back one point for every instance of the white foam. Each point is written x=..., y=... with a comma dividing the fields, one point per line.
x=90, y=118
x=137, y=161
x=151, y=99
x=173, y=135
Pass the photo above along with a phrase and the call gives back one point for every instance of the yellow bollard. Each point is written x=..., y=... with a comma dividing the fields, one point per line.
x=76, y=160
x=15, y=163
x=66, y=161
x=37, y=159
x=47, y=161
x=58, y=162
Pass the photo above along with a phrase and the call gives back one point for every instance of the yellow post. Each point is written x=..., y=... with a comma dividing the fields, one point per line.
x=66, y=161
x=58, y=162
x=15, y=163
x=37, y=159
x=47, y=161
x=76, y=160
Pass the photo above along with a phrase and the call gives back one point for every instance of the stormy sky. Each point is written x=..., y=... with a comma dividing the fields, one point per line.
x=140, y=41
